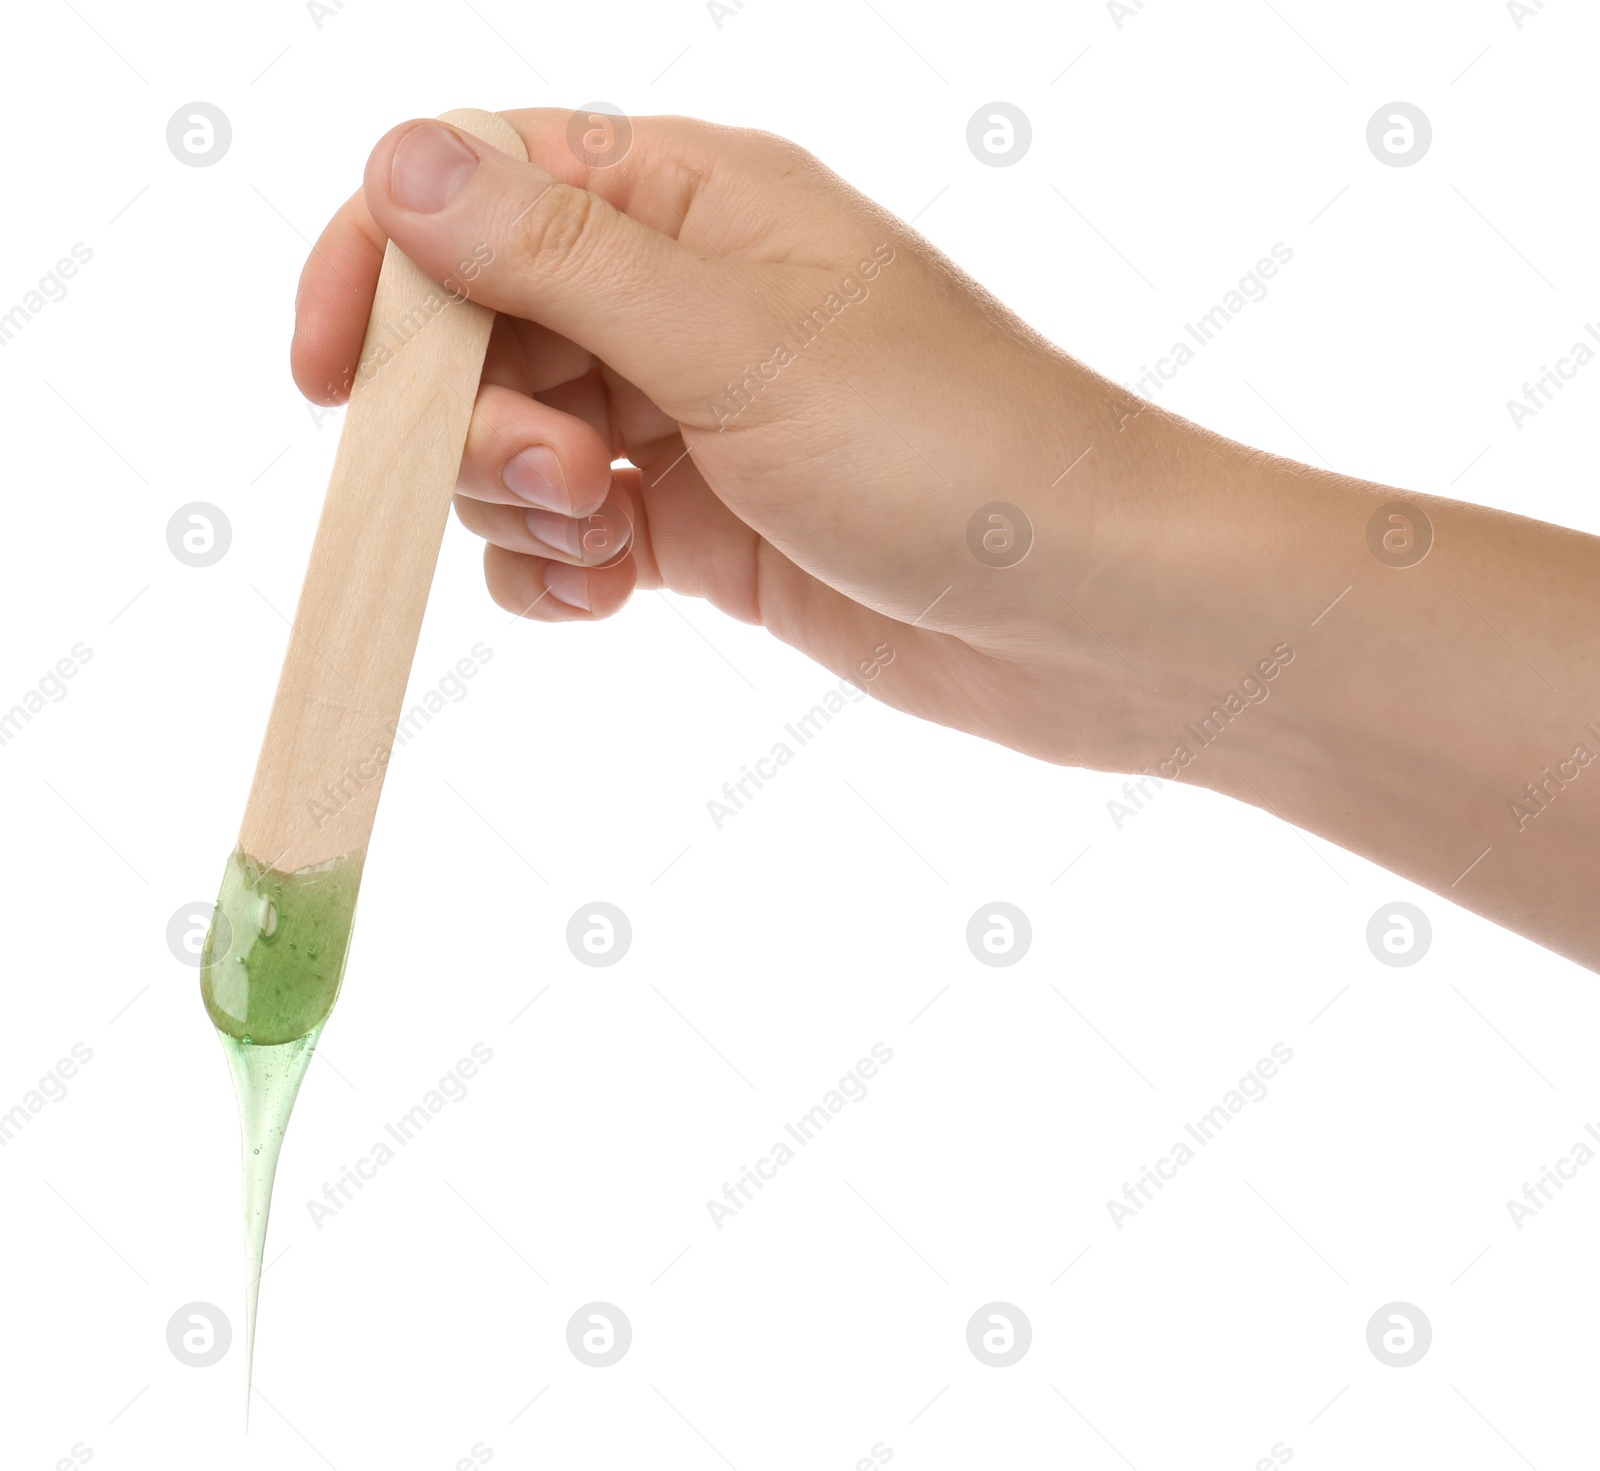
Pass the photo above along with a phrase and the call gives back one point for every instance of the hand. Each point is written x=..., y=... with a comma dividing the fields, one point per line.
x=816, y=403
x=819, y=409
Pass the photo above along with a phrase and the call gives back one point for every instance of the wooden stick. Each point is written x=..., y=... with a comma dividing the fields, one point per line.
x=344, y=676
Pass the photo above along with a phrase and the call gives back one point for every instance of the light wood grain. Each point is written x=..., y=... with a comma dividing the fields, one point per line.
x=344, y=676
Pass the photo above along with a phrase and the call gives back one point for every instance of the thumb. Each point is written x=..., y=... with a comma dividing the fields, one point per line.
x=518, y=239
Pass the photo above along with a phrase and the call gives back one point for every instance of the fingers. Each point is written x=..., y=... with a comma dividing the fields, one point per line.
x=332, y=303
x=556, y=592
x=595, y=540
x=521, y=240
x=531, y=455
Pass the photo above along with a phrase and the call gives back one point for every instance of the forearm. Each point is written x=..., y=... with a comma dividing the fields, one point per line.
x=1439, y=718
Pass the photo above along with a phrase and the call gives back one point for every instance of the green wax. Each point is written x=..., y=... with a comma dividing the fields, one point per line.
x=267, y=1080
x=269, y=975
x=275, y=953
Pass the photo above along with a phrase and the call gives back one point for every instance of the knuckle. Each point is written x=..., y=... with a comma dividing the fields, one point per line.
x=777, y=151
x=559, y=226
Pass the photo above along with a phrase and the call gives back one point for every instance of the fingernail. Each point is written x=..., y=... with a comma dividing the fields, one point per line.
x=559, y=533
x=569, y=585
x=535, y=476
x=429, y=169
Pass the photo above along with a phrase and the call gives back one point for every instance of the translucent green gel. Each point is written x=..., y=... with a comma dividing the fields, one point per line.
x=271, y=969
x=270, y=973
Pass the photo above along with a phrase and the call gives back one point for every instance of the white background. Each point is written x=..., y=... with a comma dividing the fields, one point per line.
x=1230, y=1315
